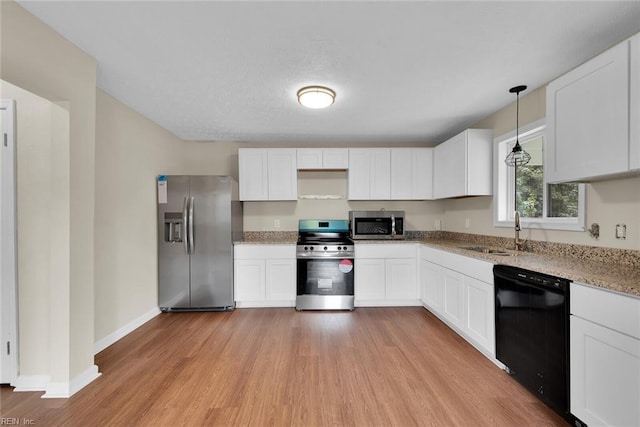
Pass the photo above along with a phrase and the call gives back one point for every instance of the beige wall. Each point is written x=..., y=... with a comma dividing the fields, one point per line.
x=608, y=202
x=130, y=152
x=40, y=61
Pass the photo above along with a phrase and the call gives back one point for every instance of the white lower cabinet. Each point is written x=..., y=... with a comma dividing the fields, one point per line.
x=605, y=357
x=459, y=290
x=370, y=280
x=453, y=306
x=431, y=285
x=479, y=312
x=265, y=275
x=386, y=275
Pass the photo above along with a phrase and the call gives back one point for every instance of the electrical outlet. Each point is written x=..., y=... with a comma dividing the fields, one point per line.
x=437, y=224
x=276, y=223
x=467, y=222
x=621, y=231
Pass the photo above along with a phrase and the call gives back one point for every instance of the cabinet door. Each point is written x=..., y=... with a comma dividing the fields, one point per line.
x=358, y=182
x=253, y=174
x=401, y=281
x=401, y=173
x=634, y=104
x=283, y=175
x=249, y=280
x=588, y=119
x=605, y=375
x=380, y=174
x=422, y=174
x=370, y=280
x=480, y=316
x=441, y=170
x=309, y=158
x=432, y=285
x=453, y=304
x=457, y=165
x=335, y=158
x=280, y=280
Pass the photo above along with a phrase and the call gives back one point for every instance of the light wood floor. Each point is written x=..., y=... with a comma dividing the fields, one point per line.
x=372, y=366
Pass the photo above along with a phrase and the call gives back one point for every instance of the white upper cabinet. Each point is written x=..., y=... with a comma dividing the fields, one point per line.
x=369, y=174
x=323, y=158
x=267, y=174
x=593, y=117
x=462, y=165
x=634, y=104
x=253, y=174
x=390, y=173
x=411, y=173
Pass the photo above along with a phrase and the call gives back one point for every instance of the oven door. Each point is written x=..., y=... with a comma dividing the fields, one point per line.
x=325, y=276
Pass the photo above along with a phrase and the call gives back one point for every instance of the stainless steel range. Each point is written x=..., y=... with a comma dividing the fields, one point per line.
x=325, y=265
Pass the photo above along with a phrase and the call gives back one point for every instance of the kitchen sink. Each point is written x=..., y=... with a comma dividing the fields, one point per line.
x=487, y=250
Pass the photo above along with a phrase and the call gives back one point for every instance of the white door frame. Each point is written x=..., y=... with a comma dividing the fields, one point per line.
x=8, y=245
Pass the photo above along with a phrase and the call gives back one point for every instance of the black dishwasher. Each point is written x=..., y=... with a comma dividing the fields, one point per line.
x=532, y=332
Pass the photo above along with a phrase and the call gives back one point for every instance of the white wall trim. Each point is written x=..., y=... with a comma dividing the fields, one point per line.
x=118, y=334
x=68, y=389
x=31, y=383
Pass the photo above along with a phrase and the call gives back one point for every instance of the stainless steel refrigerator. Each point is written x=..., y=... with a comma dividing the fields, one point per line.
x=199, y=217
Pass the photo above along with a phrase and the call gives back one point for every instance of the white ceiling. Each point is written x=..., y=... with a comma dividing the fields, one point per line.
x=404, y=72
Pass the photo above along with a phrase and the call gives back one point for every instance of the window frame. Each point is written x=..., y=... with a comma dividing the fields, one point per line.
x=503, y=181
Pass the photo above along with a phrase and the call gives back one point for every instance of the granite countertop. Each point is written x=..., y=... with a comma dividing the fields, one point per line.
x=622, y=278
x=611, y=269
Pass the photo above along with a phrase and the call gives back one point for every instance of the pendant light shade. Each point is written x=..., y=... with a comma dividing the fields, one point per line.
x=517, y=156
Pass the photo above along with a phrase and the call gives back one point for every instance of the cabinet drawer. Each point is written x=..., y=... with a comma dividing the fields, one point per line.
x=476, y=268
x=615, y=311
x=431, y=254
x=386, y=250
x=260, y=251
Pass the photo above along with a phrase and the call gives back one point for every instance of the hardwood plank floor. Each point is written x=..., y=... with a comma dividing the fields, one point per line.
x=372, y=366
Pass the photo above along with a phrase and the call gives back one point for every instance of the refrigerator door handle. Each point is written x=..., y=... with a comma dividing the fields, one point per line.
x=185, y=220
x=191, y=226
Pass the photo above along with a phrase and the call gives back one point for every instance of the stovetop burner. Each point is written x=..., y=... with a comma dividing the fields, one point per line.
x=324, y=238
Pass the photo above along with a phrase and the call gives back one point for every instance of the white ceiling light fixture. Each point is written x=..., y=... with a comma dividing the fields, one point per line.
x=316, y=97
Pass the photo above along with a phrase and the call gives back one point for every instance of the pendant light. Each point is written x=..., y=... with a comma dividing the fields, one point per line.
x=517, y=156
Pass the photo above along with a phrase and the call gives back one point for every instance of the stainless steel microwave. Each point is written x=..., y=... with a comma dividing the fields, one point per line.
x=376, y=225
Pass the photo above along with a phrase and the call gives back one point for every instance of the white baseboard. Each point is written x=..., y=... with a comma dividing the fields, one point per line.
x=265, y=304
x=57, y=390
x=105, y=342
x=388, y=303
x=31, y=383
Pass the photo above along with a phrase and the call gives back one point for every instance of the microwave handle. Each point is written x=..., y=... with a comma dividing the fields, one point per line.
x=393, y=226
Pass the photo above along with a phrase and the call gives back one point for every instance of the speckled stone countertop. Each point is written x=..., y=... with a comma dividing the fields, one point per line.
x=622, y=278
x=612, y=269
x=268, y=238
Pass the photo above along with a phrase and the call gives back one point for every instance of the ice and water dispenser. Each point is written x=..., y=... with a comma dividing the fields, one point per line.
x=173, y=227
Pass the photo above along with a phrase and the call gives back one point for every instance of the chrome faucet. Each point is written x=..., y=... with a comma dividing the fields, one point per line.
x=519, y=244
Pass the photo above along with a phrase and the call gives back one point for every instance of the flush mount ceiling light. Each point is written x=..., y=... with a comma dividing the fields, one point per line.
x=517, y=156
x=316, y=96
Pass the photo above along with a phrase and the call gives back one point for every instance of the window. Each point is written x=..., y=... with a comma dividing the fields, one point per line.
x=541, y=205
